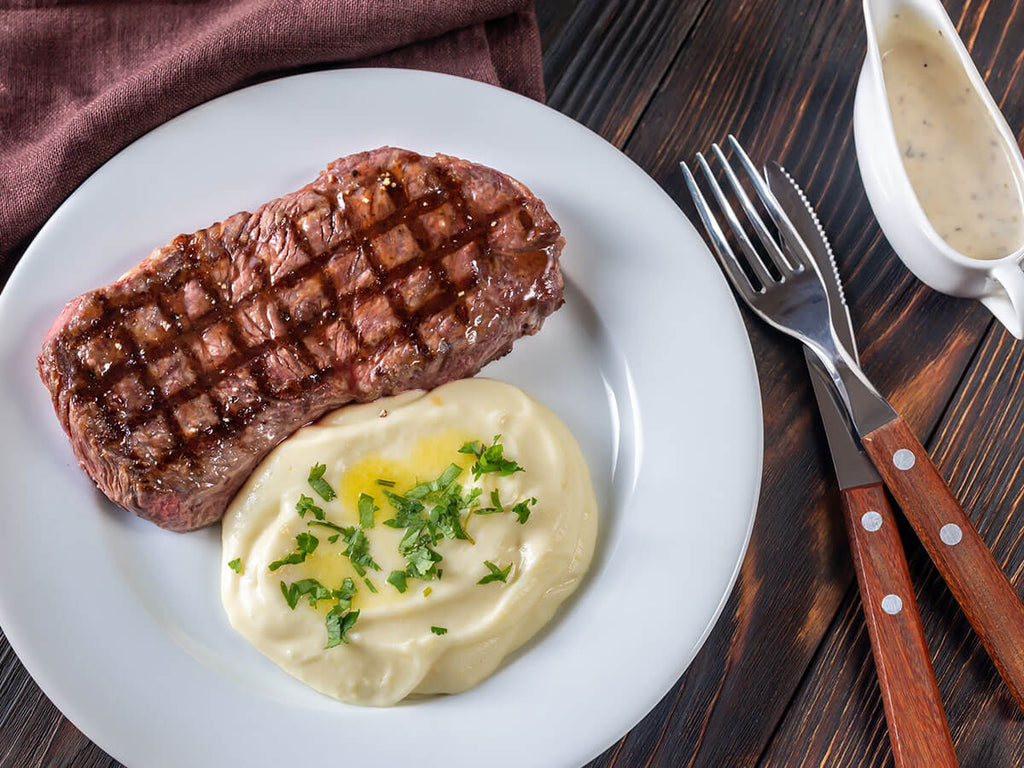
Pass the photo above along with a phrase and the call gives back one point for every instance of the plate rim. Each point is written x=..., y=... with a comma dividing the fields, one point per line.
x=79, y=716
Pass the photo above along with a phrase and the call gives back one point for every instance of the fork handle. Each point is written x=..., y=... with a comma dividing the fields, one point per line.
x=913, y=710
x=954, y=545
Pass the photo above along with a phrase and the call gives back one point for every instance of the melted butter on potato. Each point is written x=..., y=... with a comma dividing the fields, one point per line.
x=392, y=652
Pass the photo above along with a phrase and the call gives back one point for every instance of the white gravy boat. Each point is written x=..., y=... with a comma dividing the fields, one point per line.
x=997, y=283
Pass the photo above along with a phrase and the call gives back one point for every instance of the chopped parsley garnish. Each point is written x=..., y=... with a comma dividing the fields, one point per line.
x=446, y=516
x=428, y=512
x=490, y=459
x=339, y=622
x=522, y=509
x=496, y=505
x=474, y=448
x=496, y=573
x=366, y=510
x=397, y=580
x=434, y=510
x=317, y=483
x=346, y=593
x=306, y=504
x=416, y=546
x=407, y=510
x=328, y=524
x=308, y=588
x=445, y=479
x=340, y=619
x=358, y=546
x=358, y=551
x=306, y=544
x=236, y=565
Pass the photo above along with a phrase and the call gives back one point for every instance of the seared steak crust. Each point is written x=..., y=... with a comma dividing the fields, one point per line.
x=391, y=271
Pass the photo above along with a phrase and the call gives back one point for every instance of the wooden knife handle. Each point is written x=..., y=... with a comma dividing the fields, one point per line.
x=913, y=710
x=965, y=562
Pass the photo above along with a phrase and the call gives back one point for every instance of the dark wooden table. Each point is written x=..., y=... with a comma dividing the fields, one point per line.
x=786, y=678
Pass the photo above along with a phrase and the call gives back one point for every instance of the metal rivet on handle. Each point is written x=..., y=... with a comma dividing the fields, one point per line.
x=951, y=534
x=871, y=521
x=892, y=604
x=904, y=459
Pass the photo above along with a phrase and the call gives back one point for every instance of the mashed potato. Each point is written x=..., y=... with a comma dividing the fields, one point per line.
x=446, y=632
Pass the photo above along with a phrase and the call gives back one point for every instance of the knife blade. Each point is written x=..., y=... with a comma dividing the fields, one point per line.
x=913, y=709
x=853, y=468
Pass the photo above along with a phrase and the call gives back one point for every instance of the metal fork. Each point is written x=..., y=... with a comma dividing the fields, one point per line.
x=797, y=303
x=917, y=726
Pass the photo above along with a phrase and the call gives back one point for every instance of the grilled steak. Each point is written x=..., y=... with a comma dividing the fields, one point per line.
x=390, y=272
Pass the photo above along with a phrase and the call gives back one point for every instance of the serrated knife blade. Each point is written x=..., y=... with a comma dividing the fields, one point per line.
x=852, y=466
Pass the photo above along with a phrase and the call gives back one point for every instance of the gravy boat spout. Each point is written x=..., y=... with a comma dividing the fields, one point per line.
x=997, y=280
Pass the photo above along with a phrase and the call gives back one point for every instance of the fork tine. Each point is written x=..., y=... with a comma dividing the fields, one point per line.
x=756, y=264
x=772, y=247
x=768, y=199
x=725, y=256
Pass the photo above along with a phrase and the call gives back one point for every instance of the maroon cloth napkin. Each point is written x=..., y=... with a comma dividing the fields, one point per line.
x=79, y=81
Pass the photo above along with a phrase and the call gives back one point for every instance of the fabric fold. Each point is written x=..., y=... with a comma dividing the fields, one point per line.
x=79, y=82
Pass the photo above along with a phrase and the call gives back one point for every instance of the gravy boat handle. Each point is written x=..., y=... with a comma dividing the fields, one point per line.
x=1008, y=309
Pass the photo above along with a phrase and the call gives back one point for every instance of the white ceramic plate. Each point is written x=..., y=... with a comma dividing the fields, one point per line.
x=648, y=363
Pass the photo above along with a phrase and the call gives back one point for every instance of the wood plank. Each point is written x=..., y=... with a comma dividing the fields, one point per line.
x=552, y=18
x=605, y=64
x=978, y=450
x=781, y=75
x=34, y=733
x=822, y=720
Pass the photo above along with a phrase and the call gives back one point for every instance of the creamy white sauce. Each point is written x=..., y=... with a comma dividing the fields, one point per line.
x=392, y=652
x=959, y=163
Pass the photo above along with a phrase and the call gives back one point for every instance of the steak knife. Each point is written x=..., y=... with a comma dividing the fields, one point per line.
x=913, y=709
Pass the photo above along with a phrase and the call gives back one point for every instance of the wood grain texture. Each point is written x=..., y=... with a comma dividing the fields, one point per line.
x=979, y=449
x=33, y=733
x=607, y=61
x=984, y=593
x=781, y=74
x=913, y=710
x=551, y=21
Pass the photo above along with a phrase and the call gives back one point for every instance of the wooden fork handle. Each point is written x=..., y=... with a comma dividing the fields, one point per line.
x=965, y=562
x=913, y=710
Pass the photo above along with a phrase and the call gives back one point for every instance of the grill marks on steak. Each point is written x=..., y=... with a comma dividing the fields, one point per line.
x=389, y=272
